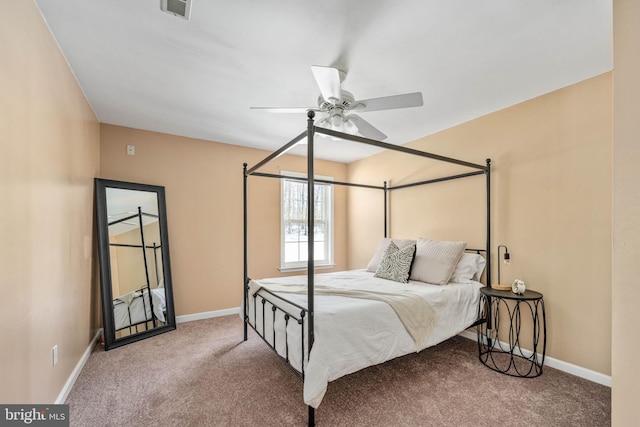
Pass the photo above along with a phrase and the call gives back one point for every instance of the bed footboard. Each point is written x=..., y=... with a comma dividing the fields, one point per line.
x=135, y=312
x=274, y=318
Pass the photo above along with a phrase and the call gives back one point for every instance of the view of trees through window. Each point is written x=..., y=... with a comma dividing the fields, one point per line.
x=295, y=222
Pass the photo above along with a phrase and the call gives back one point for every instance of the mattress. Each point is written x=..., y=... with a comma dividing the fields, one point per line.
x=354, y=333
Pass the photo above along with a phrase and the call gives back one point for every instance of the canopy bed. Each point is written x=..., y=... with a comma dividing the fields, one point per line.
x=324, y=326
x=143, y=308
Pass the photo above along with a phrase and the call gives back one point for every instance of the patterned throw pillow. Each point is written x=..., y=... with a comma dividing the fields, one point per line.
x=396, y=263
x=382, y=246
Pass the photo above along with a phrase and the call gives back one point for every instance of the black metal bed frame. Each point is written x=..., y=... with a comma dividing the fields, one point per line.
x=145, y=322
x=308, y=312
x=147, y=286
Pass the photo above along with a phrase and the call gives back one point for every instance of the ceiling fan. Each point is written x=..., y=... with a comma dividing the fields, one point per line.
x=338, y=104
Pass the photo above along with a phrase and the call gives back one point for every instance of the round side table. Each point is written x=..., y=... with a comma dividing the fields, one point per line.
x=509, y=357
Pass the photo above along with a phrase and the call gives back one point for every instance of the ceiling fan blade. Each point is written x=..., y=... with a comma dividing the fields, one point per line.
x=389, y=102
x=286, y=110
x=365, y=128
x=328, y=80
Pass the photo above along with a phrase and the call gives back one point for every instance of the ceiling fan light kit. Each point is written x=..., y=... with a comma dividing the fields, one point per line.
x=336, y=103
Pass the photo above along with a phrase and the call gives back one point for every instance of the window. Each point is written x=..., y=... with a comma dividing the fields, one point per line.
x=294, y=233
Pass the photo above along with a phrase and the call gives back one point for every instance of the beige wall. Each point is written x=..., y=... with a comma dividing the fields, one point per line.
x=626, y=212
x=49, y=148
x=203, y=184
x=551, y=204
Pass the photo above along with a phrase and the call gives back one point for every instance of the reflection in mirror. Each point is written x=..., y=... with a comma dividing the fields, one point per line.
x=134, y=261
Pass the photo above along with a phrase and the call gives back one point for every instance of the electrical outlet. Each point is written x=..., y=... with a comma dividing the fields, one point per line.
x=131, y=150
x=54, y=355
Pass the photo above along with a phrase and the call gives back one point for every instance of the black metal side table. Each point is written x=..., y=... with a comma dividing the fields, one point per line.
x=508, y=357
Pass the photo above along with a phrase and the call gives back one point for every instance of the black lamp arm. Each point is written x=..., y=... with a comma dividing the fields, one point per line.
x=507, y=257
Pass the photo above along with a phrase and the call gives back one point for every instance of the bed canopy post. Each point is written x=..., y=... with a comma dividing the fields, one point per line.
x=487, y=314
x=310, y=224
x=146, y=266
x=155, y=263
x=385, y=209
x=310, y=241
x=488, y=175
x=246, y=270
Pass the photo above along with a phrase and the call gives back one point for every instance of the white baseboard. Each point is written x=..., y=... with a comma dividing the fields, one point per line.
x=64, y=393
x=560, y=365
x=76, y=371
x=207, y=315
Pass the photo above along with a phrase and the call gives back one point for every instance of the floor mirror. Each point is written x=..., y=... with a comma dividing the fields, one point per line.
x=135, y=269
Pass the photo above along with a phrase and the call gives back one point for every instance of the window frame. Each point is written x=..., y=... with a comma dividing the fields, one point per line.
x=327, y=260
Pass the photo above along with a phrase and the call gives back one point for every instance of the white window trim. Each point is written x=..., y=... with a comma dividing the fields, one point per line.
x=303, y=265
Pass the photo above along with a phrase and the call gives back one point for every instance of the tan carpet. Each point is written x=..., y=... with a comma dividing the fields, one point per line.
x=203, y=374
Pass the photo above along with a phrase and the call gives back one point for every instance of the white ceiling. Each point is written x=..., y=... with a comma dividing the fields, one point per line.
x=143, y=68
x=122, y=203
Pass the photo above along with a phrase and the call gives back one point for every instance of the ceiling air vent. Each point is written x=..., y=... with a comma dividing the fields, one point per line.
x=181, y=8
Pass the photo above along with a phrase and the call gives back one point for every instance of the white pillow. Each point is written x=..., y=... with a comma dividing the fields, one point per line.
x=382, y=246
x=470, y=267
x=435, y=261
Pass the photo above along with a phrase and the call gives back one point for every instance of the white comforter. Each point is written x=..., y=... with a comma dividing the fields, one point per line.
x=354, y=333
x=131, y=309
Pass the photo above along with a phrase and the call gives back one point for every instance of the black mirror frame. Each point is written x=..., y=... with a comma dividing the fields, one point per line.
x=110, y=340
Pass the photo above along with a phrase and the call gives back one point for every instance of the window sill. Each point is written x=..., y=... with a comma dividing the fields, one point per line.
x=317, y=267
